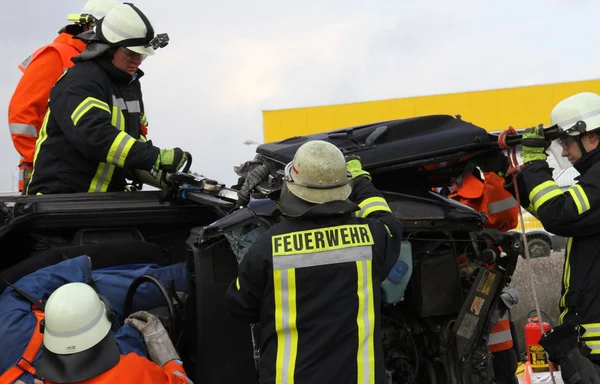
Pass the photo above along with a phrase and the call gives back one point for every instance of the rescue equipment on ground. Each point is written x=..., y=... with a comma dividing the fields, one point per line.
x=536, y=355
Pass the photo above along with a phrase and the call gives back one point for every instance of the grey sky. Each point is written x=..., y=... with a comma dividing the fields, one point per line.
x=229, y=60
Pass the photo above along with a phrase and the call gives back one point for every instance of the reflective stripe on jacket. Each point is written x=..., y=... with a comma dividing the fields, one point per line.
x=91, y=133
x=136, y=369
x=490, y=197
x=500, y=339
x=29, y=101
x=313, y=285
x=574, y=213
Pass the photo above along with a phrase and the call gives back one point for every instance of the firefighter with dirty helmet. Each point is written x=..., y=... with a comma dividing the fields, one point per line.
x=575, y=214
x=312, y=281
x=94, y=134
x=80, y=346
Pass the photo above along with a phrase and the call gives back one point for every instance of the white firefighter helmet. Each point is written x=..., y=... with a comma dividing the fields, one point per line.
x=76, y=319
x=92, y=11
x=318, y=173
x=98, y=8
x=126, y=26
x=577, y=114
x=574, y=116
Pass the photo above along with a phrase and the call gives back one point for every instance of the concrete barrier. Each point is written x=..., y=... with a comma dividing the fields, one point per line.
x=547, y=277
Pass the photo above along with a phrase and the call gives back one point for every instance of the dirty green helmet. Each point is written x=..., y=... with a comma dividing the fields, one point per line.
x=318, y=173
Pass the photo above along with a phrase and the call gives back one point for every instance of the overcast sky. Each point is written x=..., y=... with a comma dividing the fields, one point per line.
x=229, y=60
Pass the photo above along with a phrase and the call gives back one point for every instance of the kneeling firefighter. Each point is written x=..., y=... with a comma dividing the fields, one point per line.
x=80, y=347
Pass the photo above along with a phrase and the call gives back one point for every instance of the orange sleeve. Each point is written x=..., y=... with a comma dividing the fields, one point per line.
x=171, y=373
x=29, y=102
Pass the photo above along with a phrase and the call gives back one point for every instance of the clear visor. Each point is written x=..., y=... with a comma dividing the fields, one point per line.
x=560, y=145
x=133, y=56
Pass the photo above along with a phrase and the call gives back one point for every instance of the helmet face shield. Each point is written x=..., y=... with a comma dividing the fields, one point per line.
x=557, y=148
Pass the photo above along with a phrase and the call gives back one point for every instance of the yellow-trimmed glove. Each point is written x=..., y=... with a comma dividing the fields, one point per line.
x=355, y=167
x=534, y=144
x=170, y=160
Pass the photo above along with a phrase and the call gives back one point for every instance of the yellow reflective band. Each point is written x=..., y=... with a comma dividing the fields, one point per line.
x=566, y=280
x=388, y=230
x=322, y=239
x=143, y=139
x=118, y=151
x=579, y=198
x=365, y=357
x=38, y=144
x=102, y=178
x=117, y=119
x=315, y=259
x=594, y=346
x=544, y=192
x=372, y=204
x=237, y=283
x=284, y=284
x=85, y=106
x=144, y=119
x=591, y=330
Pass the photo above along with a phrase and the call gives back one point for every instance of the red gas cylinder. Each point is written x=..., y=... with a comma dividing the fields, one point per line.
x=535, y=353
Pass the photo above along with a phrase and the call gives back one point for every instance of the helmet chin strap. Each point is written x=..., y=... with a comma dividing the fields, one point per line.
x=581, y=147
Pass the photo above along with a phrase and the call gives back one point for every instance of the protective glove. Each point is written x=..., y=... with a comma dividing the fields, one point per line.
x=492, y=162
x=563, y=348
x=534, y=144
x=170, y=160
x=355, y=167
x=160, y=347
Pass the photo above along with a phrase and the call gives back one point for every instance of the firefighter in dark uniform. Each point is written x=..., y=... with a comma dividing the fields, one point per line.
x=312, y=281
x=95, y=127
x=575, y=214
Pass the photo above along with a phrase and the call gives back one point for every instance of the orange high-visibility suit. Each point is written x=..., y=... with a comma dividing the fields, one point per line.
x=29, y=102
x=490, y=197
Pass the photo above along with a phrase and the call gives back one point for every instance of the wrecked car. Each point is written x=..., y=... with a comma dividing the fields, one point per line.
x=434, y=329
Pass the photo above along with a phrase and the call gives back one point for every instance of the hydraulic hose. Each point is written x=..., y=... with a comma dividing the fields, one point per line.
x=163, y=290
x=254, y=177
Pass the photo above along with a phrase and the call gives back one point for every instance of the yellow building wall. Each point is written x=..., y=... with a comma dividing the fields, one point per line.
x=493, y=110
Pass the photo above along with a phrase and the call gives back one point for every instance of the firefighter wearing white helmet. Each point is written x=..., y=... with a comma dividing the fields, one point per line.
x=98, y=8
x=92, y=11
x=573, y=213
x=300, y=279
x=126, y=26
x=96, y=130
x=80, y=347
x=41, y=70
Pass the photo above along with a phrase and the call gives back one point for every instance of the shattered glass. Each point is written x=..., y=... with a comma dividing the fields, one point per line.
x=242, y=238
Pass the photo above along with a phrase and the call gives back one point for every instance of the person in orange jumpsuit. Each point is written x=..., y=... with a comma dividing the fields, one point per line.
x=487, y=194
x=80, y=347
x=41, y=70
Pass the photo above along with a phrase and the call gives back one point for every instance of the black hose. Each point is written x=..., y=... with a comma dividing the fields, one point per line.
x=254, y=177
x=430, y=371
x=543, y=314
x=163, y=290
